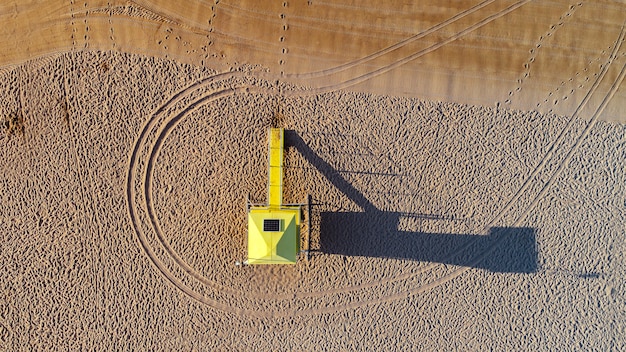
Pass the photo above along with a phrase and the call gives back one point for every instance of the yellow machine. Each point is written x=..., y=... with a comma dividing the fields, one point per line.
x=274, y=228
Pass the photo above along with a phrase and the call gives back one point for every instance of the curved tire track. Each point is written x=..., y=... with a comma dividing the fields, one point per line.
x=134, y=210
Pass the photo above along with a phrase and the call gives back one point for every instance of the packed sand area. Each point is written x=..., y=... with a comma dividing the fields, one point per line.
x=466, y=161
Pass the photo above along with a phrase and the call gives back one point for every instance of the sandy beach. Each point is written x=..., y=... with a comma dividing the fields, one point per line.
x=466, y=162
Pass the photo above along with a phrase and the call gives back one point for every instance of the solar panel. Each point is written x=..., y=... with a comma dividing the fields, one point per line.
x=271, y=225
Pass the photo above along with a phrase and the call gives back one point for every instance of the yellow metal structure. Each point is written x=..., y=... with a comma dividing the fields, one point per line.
x=275, y=172
x=274, y=228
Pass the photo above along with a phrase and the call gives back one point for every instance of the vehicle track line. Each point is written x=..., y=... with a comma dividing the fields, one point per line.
x=150, y=124
x=492, y=247
x=546, y=187
x=211, y=96
x=389, y=49
x=163, y=269
x=149, y=173
x=614, y=88
x=568, y=157
x=143, y=239
x=130, y=192
x=563, y=133
x=403, y=61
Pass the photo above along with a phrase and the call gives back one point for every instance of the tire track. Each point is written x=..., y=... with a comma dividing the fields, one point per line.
x=362, y=78
x=538, y=197
x=150, y=168
x=562, y=165
x=614, y=88
x=134, y=160
x=568, y=157
x=396, y=46
x=186, y=289
x=147, y=180
x=175, y=281
x=161, y=266
x=153, y=14
x=132, y=207
x=384, y=69
x=436, y=46
x=544, y=189
x=147, y=184
x=553, y=148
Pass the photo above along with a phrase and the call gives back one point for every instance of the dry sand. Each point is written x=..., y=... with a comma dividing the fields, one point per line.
x=466, y=160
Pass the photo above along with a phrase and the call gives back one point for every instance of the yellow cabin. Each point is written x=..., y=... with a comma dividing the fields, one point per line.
x=274, y=228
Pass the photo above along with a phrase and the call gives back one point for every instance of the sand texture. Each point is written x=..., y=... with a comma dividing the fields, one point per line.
x=466, y=162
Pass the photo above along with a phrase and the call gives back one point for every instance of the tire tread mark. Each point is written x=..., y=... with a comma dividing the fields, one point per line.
x=362, y=78
x=391, y=48
x=614, y=88
x=188, y=268
x=561, y=137
x=130, y=193
x=147, y=181
x=492, y=247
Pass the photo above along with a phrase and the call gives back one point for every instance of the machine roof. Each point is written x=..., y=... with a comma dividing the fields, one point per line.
x=273, y=247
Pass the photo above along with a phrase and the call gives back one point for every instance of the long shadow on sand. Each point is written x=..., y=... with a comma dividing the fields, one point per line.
x=374, y=233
